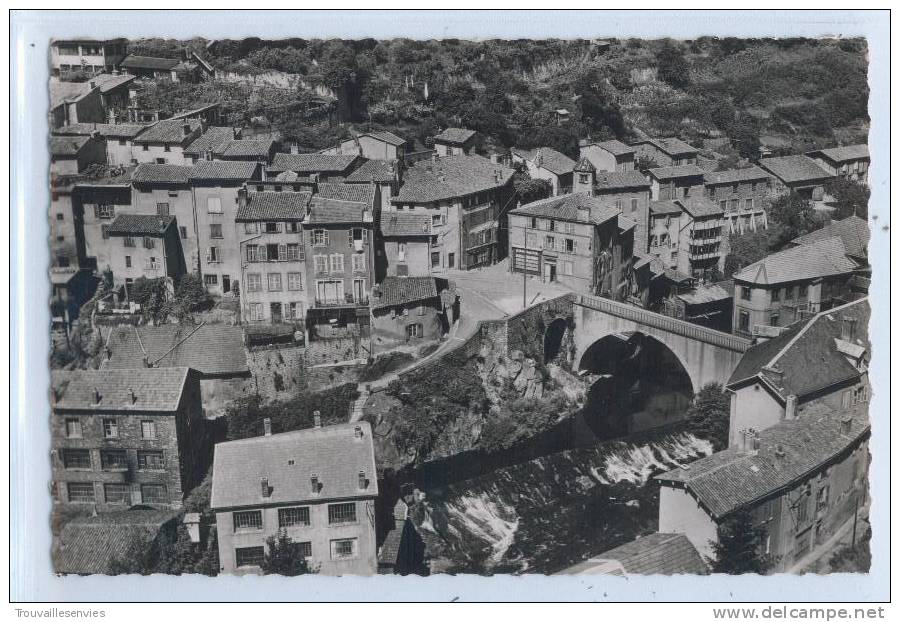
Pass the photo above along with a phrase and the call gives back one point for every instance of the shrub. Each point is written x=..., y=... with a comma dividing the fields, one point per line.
x=384, y=364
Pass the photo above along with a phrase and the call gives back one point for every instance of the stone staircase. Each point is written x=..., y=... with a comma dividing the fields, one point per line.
x=356, y=410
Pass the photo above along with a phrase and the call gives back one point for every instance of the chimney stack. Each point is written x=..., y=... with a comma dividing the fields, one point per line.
x=790, y=407
x=295, y=148
x=267, y=427
x=186, y=129
x=779, y=451
x=131, y=395
x=317, y=419
x=363, y=483
x=846, y=425
x=314, y=483
x=96, y=395
x=357, y=432
x=242, y=197
x=848, y=328
x=93, y=84
x=264, y=486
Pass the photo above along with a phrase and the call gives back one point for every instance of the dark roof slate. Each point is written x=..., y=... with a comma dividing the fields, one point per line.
x=325, y=211
x=400, y=290
x=853, y=232
x=655, y=553
x=620, y=180
x=170, y=131
x=155, y=390
x=382, y=171
x=148, y=62
x=249, y=148
x=214, y=140
x=795, y=169
x=735, y=175
x=571, y=207
x=455, y=136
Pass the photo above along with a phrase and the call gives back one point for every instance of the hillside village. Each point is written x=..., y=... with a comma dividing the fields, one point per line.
x=302, y=323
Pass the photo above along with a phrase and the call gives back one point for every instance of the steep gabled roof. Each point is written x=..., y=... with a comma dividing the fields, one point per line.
x=853, y=232
x=336, y=454
x=153, y=390
x=819, y=258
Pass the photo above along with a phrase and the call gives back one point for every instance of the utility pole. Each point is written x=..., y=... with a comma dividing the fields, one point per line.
x=855, y=514
x=525, y=270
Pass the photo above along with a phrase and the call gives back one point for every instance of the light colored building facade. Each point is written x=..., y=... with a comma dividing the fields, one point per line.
x=375, y=146
x=127, y=437
x=95, y=204
x=666, y=151
x=850, y=162
x=318, y=486
x=143, y=246
x=628, y=192
x=71, y=155
x=90, y=56
x=608, y=155
x=455, y=141
x=165, y=141
x=675, y=182
x=548, y=164
x=743, y=195
x=797, y=173
x=405, y=245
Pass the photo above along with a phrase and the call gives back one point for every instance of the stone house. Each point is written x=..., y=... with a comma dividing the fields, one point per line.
x=850, y=162
x=127, y=437
x=608, y=155
x=547, y=164
x=743, y=195
x=165, y=141
x=664, y=232
x=216, y=185
x=775, y=379
x=666, y=151
x=273, y=271
x=143, y=246
x=797, y=173
x=90, y=56
x=404, y=247
x=801, y=481
x=466, y=197
x=374, y=146
x=318, y=485
x=455, y=141
x=119, y=138
x=165, y=190
x=96, y=201
x=629, y=192
x=71, y=155
x=675, y=182
x=407, y=310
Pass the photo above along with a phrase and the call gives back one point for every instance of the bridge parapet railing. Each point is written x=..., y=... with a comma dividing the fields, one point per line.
x=664, y=322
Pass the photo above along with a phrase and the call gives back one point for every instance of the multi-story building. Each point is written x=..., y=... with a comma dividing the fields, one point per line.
x=467, y=197
x=119, y=138
x=143, y=246
x=743, y=195
x=547, y=164
x=216, y=185
x=666, y=151
x=608, y=155
x=386, y=175
x=797, y=173
x=165, y=141
x=404, y=245
x=212, y=144
x=90, y=56
x=252, y=150
x=820, y=360
x=96, y=201
x=123, y=437
x=700, y=244
x=628, y=191
x=455, y=141
x=850, y=162
x=374, y=146
x=794, y=283
x=675, y=182
x=853, y=232
x=317, y=485
x=70, y=155
x=407, y=311
x=314, y=166
x=273, y=271
x=801, y=481
x=572, y=239
x=165, y=190
x=664, y=231
x=340, y=263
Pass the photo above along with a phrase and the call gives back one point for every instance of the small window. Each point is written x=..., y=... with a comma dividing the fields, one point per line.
x=183, y=232
x=80, y=492
x=150, y=461
x=60, y=217
x=214, y=205
x=212, y=254
x=249, y=556
x=570, y=245
x=162, y=209
x=745, y=293
x=123, y=142
x=343, y=549
x=153, y=493
x=295, y=281
x=634, y=205
x=210, y=279
x=414, y=331
x=113, y=459
x=145, y=147
x=803, y=291
x=341, y=513
x=127, y=261
x=128, y=242
x=76, y=458
x=148, y=429
x=149, y=243
x=116, y=493
x=274, y=281
x=249, y=520
x=110, y=428
x=215, y=231
x=73, y=428
x=250, y=227
x=744, y=321
x=773, y=319
x=272, y=227
x=776, y=294
x=254, y=282
x=289, y=517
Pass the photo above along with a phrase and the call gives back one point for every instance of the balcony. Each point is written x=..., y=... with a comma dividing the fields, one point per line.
x=349, y=300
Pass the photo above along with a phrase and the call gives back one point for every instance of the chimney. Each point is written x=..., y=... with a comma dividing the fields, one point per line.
x=267, y=427
x=434, y=156
x=314, y=483
x=317, y=419
x=848, y=328
x=186, y=129
x=790, y=407
x=242, y=197
x=774, y=373
x=357, y=432
x=131, y=395
x=748, y=440
x=295, y=148
x=779, y=451
x=363, y=483
x=236, y=133
x=96, y=395
x=93, y=84
x=264, y=486
x=846, y=425
x=146, y=361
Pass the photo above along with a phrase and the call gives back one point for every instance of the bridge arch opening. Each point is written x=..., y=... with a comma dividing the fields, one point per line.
x=553, y=339
x=637, y=383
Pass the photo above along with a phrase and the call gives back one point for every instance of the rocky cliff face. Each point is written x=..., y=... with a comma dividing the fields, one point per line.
x=551, y=512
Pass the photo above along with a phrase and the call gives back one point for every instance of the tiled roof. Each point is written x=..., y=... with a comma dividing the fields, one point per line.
x=323, y=211
x=735, y=175
x=665, y=207
x=155, y=390
x=655, y=553
x=449, y=177
x=618, y=180
x=113, y=130
x=788, y=452
x=169, y=131
x=148, y=62
x=274, y=206
x=585, y=166
x=111, y=82
x=373, y=171
x=245, y=148
x=67, y=145
x=825, y=257
x=455, y=135
x=214, y=140
x=570, y=207
x=615, y=147
x=61, y=92
x=311, y=163
x=704, y=294
x=335, y=454
x=853, y=231
x=195, y=112
x=211, y=349
x=795, y=169
x=400, y=290
x=671, y=146
x=676, y=172
x=140, y=224
x=359, y=193
x=405, y=224
x=626, y=224
x=699, y=206
x=845, y=154
x=550, y=159
x=161, y=173
x=807, y=354
x=224, y=169
x=89, y=544
x=388, y=137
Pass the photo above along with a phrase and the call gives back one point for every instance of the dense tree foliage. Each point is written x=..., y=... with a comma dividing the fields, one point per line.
x=750, y=247
x=672, y=67
x=740, y=546
x=850, y=198
x=284, y=557
x=519, y=419
x=795, y=216
x=708, y=415
x=168, y=554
